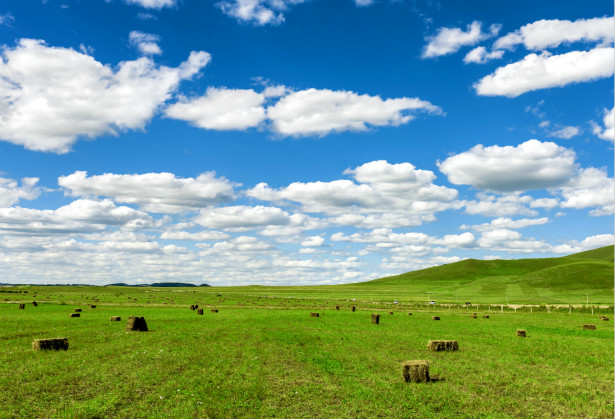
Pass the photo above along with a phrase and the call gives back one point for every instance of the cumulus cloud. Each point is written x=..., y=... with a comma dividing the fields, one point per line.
x=591, y=242
x=530, y=165
x=500, y=206
x=591, y=187
x=146, y=43
x=313, y=241
x=242, y=216
x=154, y=192
x=221, y=109
x=257, y=12
x=319, y=112
x=77, y=96
x=551, y=33
x=80, y=216
x=565, y=133
x=382, y=188
x=152, y=4
x=208, y=235
x=606, y=133
x=479, y=55
x=544, y=71
x=506, y=223
x=450, y=40
x=11, y=192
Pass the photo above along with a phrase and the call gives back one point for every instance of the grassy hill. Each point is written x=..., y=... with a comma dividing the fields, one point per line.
x=567, y=279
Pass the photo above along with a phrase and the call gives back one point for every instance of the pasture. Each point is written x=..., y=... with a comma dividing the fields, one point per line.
x=265, y=356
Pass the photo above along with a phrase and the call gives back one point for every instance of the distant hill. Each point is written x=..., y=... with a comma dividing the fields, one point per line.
x=158, y=285
x=568, y=278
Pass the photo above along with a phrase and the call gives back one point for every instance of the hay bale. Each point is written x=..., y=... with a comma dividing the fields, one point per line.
x=521, y=333
x=473, y=316
x=78, y=310
x=353, y=308
x=337, y=308
x=192, y=307
x=92, y=306
x=200, y=312
x=604, y=318
x=375, y=318
x=442, y=345
x=115, y=319
x=214, y=311
x=196, y=306
x=390, y=313
x=589, y=327
x=34, y=303
x=314, y=315
x=485, y=317
x=415, y=371
x=435, y=318
x=136, y=324
x=22, y=307
x=409, y=314
x=74, y=315
x=50, y=344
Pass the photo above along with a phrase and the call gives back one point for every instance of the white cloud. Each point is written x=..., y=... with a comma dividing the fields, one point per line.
x=507, y=223
x=501, y=206
x=313, y=241
x=591, y=187
x=80, y=216
x=221, y=109
x=319, y=112
x=6, y=19
x=242, y=244
x=551, y=33
x=591, y=242
x=385, y=188
x=146, y=43
x=361, y=3
x=479, y=55
x=546, y=203
x=530, y=165
x=606, y=133
x=565, y=133
x=242, y=217
x=545, y=71
x=152, y=4
x=450, y=40
x=210, y=235
x=257, y=12
x=51, y=96
x=154, y=192
x=11, y=192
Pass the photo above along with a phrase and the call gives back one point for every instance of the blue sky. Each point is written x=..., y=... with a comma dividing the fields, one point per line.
x=282, y=142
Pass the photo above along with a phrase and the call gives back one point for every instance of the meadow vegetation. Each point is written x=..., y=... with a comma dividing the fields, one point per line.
x=263, y=355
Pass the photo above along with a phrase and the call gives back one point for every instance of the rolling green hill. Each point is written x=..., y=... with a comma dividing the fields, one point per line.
x=568, y=279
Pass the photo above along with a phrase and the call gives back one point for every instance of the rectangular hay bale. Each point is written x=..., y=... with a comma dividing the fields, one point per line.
x=22, y=307
x=78, y=310
x=115, y=319
x=435, y=318
x=74, y=315
x=314, y=315
x=50, y=344
x=375, y=318
x=589, y=327
x=521, y=333
x=214, y=311
x=442, y=345
x=200, y=312
x=416, y=371
x=136, y=324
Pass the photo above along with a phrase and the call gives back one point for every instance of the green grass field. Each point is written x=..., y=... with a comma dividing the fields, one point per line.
x=268, y=358
x=263, y=355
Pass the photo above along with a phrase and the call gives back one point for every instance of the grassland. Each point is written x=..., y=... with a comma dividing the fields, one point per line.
x=263, y=355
